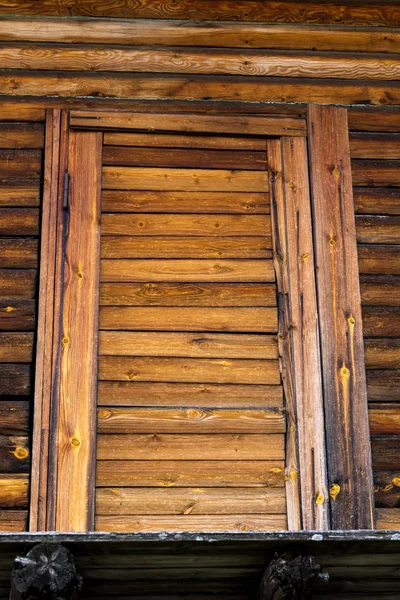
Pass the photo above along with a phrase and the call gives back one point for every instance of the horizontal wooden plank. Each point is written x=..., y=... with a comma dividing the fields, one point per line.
x=378, y=229
x=180, y=140
x=18, y=283
x=15, y=380
x=186, y=501
x=184, y=158
x=14, y=418
x=13, y=521
x=19, y=221
x=380, y=290
x=384, y=419
x=374, y=119
x=381, y=321
x=191, y=420
x=137, y=343
x=184, y=202
x=187, y=294
x=19, y=192
x=375, y=172
x=379, y=260
x=251, y=320
x=387, y=487
x=181, y=270
x=189, y=370
x=185, y=225
x=380, y=201
x=387, y=518
x=155, y=246
x=21, y=135
x=17, y=315
x=19, y=252
x=375, y=145
x=18, y=347
x=194, y=446
x=382, y=353
x=14, y=491
x=14, y=454
x=23, y=112
x=20, y=163
x=186, y=473
x=113, y=393
x=188, y=523
x=184, y=180
x=383, y=385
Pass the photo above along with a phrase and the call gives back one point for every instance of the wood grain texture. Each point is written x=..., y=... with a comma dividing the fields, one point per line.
x=13, y=521
x=388, y=518
x=113, y=393
x=19, y=221
x=378, y=229
x=380, y=290
x=379, y=260
x=20, y=163
x=383, y=385
x=18, y=347
x=247, y=320
x=14, y=491
x=14, y=454
x=375, y=172
x=19, y=252
x=14, y=417
x=342, y=351
x=382, y=353
x=374, y=120
x=19, y=192
x=193, y=446
x=187, y=294
x=15, y=380
x=384, y=420
x=298, y=329
x=385, y=452
x=202, y=501
x=381, y=322
x=380, y=201
x=375, y=145
x=76, y=418
x=164, y=140
x=17, y=315
x=21, y=135
x=18, y=283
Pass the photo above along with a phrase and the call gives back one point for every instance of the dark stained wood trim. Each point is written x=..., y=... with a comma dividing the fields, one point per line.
x=342, y=351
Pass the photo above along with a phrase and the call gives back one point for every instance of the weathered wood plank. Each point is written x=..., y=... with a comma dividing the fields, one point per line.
x=382, y=353
x=18, y=283
x=112, y=393
x=17, y=315
x=136, y=343
x=346, y=414
x=386, y=487
x=383, y=385
x=14, y=454
x=18, y=347
x=384, y=420
x=189, y=370
x=187, y=473
x=378, y=229
x=19, y=221
x=185, y=225
x=21, y=135
x=187, y=294
x=180, y=140
x=380, y=290
x=381, y=321
x=24, y=112
x=379, y=260
x=154, y=246
x=14, y=491
x=14, y=417
x=19, y=192
x=375, y=172
x=388, y=518
x=194, y=446
x=20, y=163
x=184, y=180
x=184, y=202
x=15, y=380
x=380, y=201
x=202, y=501
x=185, y=271
x=375, y=145
x=19, y=252
x=13, y=520
x=78, y=379
x=374, y=120
x=144, y=420
x=250, y=320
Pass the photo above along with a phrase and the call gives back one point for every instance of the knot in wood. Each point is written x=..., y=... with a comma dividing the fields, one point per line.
x=21, y=453
x=334, y=490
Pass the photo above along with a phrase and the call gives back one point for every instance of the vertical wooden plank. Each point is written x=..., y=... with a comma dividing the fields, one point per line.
x=345, y=395
x=299, y=331
x=42, y=403
x=77, y=367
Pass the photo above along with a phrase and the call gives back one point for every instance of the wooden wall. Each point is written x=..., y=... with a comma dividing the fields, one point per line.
x=21, y=146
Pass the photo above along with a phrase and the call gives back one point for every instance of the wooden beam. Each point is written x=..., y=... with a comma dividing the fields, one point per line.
x=343, y=368
x=298, y=334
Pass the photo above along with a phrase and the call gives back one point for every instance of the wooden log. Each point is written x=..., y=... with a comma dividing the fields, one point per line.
x=187, y=294
x=16, y=347
x=144, y=420
x=375, y=145
x=202, y=501
x=14, y=454
x=13, y=521
x=14, y=491
x=195, y=446
x=383, y=385
x=112, y=393
x=15, y=380
x=20, y=163
x=346, y=413
x=152, y=246
x=25, y=112
x=185, y=271
x=380, y=201
x=19, y=192
x=187, y=473
x=375, y=172
x=14, y=417
x=19, y=252
x=382, y=353
x=21, y=135
x=184, y=202
x=175, y=157
x=378, y=230
x=388, y=518
x=185, y=225
x=374, y=120
x=288, y=577
x=379, y=260
x=18, y=283
x=384, y=419
x=19, y=221
x=17, y=315
x=387, y=488
x=187, y=370
x=380, y=290
x=180, y=140
x=381, y=321
x=188, y=523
